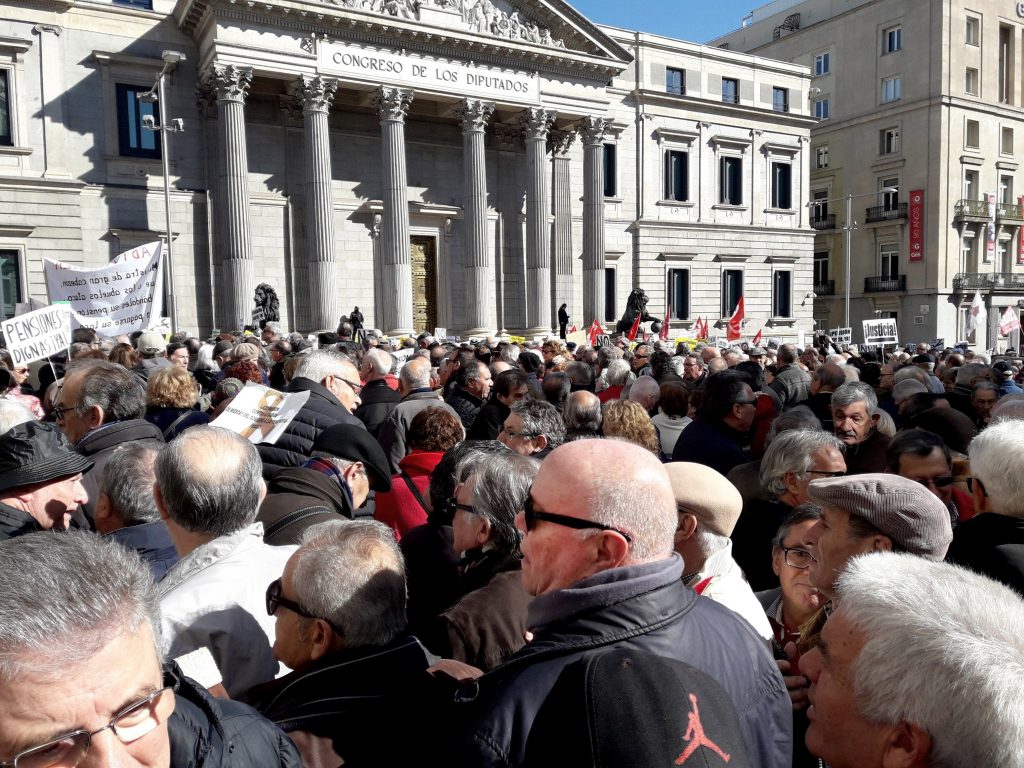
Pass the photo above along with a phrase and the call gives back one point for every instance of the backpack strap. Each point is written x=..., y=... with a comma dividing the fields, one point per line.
x=170, y=430
x=293, y=517
x=415, y=491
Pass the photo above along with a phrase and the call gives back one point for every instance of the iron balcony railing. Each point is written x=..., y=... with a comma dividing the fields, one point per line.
x=970, y=281
x=1010, y=212
x=886, y=213
x=824, y=222
x=828, y=288
x=883, y=283
x=971, y=209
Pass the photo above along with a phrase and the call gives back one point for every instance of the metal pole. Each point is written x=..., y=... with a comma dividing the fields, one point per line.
x=166, y=161
x=848, y=229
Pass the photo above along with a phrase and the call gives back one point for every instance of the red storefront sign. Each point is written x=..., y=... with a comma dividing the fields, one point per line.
x=916, y=225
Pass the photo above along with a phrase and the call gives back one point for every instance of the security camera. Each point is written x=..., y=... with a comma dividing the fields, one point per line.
x=173, y=57
x=148, y=122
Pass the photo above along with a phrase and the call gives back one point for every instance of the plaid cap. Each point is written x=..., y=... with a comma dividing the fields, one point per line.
x=904, y=510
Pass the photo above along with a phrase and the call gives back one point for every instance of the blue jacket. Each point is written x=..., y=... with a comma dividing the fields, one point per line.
x=152, y=542
x=644, y=607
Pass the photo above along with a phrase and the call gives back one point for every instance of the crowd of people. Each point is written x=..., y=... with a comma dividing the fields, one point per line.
x=496, y=554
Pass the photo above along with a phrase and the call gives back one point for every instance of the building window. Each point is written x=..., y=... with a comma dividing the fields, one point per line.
x=820, y=268
x=134, y=140
x=971, y=185
x=609, y=295
x=675, y=81
x=819, y=205
x=889, y=190
x=890, y=89
x=677, y=175
x=889, y=141
x=782, y=294
x=972, y=33
x=679, y=293
x=821, y=64
x=782, y=186
x=971, y=81
x=730, y=181
x=888, y=261
x=1006, y=190
x=10, y=283
x=6, y=126
x=1006, y=141
x=821, y=156
x=821, y=108
x=730, y=90
x=1006, y=35
x=972, y=137
x=732, y=289
x=780, y=99
x=610, y=167
x=144, y=4
x=893, y=39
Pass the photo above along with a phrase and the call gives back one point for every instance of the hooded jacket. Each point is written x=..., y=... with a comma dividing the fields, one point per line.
x=298, y=498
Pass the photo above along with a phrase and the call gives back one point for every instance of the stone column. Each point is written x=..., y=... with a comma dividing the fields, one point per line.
x=561, y=273
x=593, y=130
x=536, y=123
x=474, y=114
x=230, y=85
x=315, y=95
x=396, y=275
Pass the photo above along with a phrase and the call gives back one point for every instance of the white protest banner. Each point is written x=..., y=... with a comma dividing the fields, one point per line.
x=1008, y=321
x=841, y=335
x=261, y=414
x=39, y=334
x=121, y=297
x=878, y=333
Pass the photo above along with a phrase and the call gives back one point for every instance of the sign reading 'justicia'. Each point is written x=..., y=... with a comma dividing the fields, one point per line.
x=428, y=74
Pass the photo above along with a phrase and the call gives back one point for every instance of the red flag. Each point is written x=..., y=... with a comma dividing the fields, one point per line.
x=573, y=329
x=595, y=331
x=735, y=324
x=699, y=330
x=636, y=327
x=663, y=333
x=757, y=339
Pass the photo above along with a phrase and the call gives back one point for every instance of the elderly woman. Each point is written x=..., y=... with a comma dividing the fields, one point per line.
x=488, y=623
x=629, y=421
x=170, y=402
x=13, y=386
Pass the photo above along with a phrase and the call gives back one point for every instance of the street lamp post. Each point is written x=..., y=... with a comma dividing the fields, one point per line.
x=848, y=226
x=158, y=93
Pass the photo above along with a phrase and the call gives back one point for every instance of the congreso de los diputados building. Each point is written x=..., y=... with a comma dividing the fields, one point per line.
x=464, y=164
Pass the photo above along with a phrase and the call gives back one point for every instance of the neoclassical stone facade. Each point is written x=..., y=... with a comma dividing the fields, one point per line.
x=466, y=165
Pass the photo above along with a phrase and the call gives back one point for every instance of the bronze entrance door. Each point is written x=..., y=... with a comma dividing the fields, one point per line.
x=424, y=283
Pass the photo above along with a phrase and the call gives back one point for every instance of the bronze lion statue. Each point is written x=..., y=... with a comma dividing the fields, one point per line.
x=636, y=304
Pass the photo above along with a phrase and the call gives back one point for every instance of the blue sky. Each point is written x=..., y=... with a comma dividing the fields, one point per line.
x=695, y=20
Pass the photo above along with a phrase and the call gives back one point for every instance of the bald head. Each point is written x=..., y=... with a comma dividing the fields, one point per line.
x=415, y=374
x=709, y=353
x=645, y=390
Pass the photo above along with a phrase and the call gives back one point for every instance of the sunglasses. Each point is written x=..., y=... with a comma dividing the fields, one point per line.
x=275, y=601
x=532, y=515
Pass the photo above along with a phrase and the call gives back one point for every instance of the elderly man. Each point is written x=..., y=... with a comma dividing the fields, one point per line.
x=597, y=555
x=81, y=683
x=993, y=542
x=334, y=388
x=509, y=388
x=100, y=407
x=984, y=396
x=472, y=388
x=855, y=421
x=152, y=349
x=126, y=510
x=791, y=383
x=717, y=437
x=708, y=506
x=922, y=456
x=377, y=398
x=694, y=371
x=533, y=428
x=582, y=416
x=340, y=623
x=414, y=387
x=208, y=489
x=646, y=392
x=346, y=464
x=917, y=667
x=40, y=479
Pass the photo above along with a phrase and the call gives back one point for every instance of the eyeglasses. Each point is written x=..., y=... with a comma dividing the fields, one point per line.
x=797, y=558
x=745, y=402
x=59, y=411
x=510, y=433
x=939, y=482
x=357, y=388
x=275, y=601
x=824, y=473
x=130, y=724
x=453, y=505
x=531, y=516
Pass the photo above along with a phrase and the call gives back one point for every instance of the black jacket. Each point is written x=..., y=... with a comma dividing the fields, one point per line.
x=466, y=404
x=100, y=443
x=644, y=607
x=218, y=733
x=378, y=400
x=993, y=545
x=298, y=498
x=14, y=522
x=293, y=448
x=712, y=443
x=490, y=421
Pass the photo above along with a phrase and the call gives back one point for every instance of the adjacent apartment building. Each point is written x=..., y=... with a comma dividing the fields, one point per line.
x=467, y=165
x=921, y=133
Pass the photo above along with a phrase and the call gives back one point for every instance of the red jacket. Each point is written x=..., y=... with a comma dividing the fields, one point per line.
x=399, y=508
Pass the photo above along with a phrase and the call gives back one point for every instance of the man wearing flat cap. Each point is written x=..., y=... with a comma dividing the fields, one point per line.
x=40, y=479
x=708, y=506
x=346, y=463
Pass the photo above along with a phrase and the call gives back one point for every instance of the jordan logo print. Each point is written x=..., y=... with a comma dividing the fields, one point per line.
x=696, y=737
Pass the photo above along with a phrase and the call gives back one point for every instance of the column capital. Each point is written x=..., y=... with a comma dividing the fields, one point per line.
x=474, y=114
x=507, y=136
x=229, y=83
x=536, y=122
x=593, y=129
x=314, y=94
x=206, y=101
x=560, y=142
x=392, y=103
